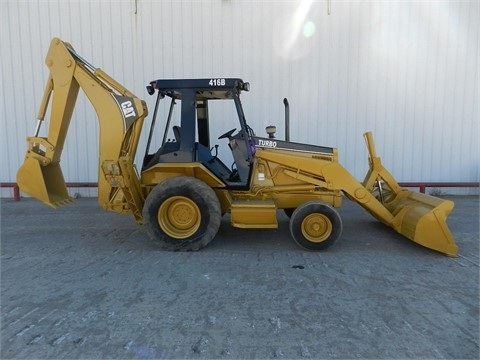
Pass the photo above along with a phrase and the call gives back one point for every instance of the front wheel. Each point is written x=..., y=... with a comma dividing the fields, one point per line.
x=315, y=226
x=182, y=213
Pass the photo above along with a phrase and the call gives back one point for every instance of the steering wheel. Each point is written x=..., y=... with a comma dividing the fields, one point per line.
x=228, y=134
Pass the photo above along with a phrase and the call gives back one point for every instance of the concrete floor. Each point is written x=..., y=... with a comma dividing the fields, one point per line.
x=79, y=282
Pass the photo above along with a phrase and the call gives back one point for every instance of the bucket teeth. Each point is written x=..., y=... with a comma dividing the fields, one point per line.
x=60, y=203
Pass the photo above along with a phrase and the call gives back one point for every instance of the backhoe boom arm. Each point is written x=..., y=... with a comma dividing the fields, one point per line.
x=120, y=115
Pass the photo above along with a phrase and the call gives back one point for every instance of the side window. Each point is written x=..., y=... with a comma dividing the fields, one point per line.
x=223, y=117
x=161, y=132
x=173, y=130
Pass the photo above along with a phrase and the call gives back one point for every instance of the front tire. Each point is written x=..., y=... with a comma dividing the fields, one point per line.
x=182, y=213
x=315, y=226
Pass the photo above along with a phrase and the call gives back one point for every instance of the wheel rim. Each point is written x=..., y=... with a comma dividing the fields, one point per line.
x=316, y=227
x=179, y=217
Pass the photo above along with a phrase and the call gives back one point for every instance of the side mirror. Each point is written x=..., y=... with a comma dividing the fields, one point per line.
x=150, y=90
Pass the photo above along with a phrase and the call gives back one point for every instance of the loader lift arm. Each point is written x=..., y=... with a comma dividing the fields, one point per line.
x=419, y=217
x=120, y=115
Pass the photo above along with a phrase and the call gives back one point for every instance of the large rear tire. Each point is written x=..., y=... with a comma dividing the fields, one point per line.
x=182, y=213
x=315, y=226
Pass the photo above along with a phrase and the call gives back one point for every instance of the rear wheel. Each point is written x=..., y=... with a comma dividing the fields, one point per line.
x=182, y=213
x=315, y=226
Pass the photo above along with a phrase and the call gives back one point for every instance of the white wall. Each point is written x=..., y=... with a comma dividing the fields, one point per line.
x=406, y=70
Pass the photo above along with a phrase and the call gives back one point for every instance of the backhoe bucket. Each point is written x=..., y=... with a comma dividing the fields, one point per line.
x=45, y=183
x=422, y=219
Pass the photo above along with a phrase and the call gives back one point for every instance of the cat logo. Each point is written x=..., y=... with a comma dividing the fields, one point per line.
x=128, y=109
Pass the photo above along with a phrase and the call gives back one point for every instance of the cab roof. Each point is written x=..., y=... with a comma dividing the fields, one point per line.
x=210, y=88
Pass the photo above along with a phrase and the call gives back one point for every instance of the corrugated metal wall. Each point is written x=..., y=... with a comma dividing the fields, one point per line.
x=406, y=70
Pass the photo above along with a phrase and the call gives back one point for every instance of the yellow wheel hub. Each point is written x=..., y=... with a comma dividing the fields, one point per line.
x=179, y=217
x=316, y=227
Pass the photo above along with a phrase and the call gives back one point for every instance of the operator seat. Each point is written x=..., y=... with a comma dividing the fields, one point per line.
x=240, y=152
x=168, y=147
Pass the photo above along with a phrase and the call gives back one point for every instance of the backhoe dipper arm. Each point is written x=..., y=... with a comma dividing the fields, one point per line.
x=120, y=115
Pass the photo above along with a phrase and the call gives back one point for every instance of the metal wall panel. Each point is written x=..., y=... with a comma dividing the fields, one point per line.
x=408, y=71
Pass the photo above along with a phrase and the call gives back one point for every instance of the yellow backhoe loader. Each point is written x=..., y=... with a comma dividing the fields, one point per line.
x=184, y=188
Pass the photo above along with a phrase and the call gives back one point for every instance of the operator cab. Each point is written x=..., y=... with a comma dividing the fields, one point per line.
x=191, y=132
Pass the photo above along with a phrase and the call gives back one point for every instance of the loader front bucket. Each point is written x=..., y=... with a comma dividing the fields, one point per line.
x=44, y=183
x=422, y=219
x=419, y=217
